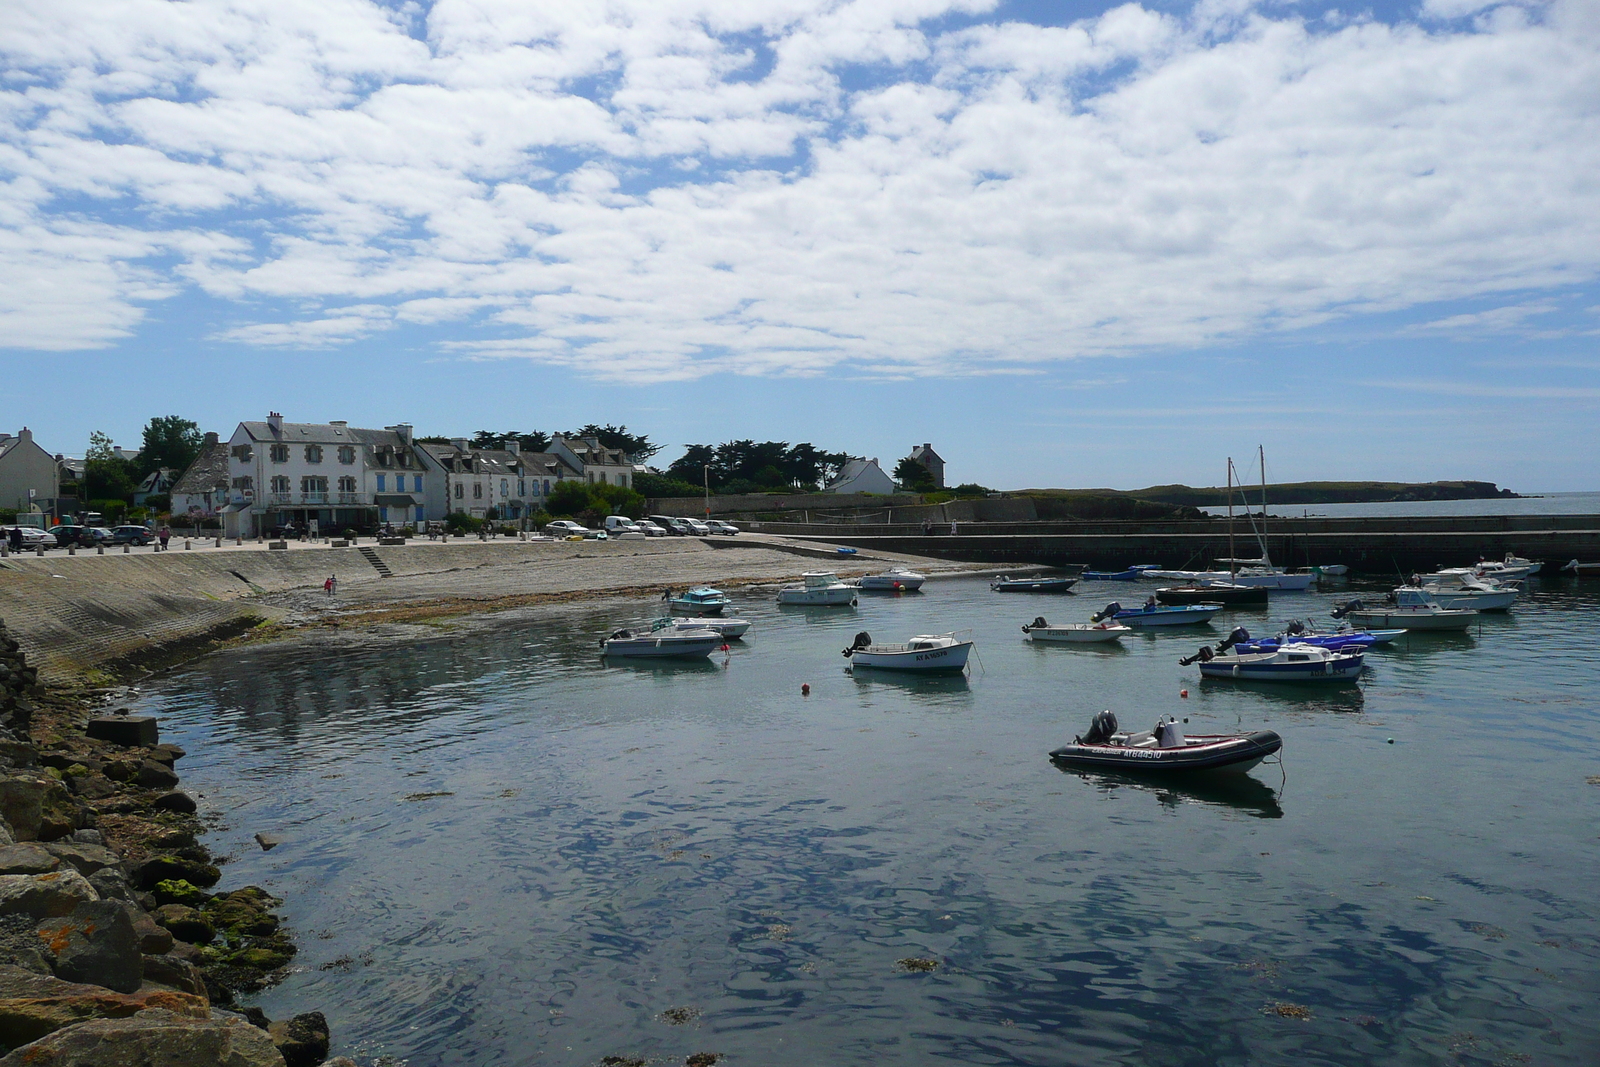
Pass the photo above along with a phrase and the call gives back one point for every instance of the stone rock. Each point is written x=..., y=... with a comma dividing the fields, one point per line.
x=242, y=912
x=176, y=972
x=130, y=731
x=22, y=803
x=256, y=1016
x=85, y=858
x=33, y=1005
x=88, y=837
x=95, y=945
x=44, y=896
x=154, y=939
x=169, y=753
x=153, y=775
x=153, y=1036
x=121, y=770
x=185, y=924
x=110, y=884
x=178, y=891
x=27, y=858
x=93, y=787
x=303, y=1040
x=175, y=801
x=162, y=868
x=6, y=836
x=185, y=951
x=339, y=1061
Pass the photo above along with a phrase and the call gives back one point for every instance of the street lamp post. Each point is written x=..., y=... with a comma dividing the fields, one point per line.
x=706, y=471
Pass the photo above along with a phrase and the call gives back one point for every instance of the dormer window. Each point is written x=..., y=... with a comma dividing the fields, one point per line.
x=313, y=453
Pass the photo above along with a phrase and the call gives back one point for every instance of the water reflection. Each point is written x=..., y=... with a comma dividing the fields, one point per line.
x=1240, y=792
x=921, y=684
x=1300, y=696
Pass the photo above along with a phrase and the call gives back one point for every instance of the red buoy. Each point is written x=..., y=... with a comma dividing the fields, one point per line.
x=805, y=689
x=1184, y=693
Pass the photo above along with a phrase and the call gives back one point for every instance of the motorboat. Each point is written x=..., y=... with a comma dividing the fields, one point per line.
x=1165, y=750
x=1581, y=569
x=924, y=654
x=1288, y=663
x=1331, y=570
x=1240, y=640
x=1225, y=593
x=1409, y=608
x=1007, y=584
x=896, y=579
x=1153, y=614
x=700, y=600
x=819, y=588
x=1074, y=633
x=664, y=639
x=1129, y=575
x=1472, y=593
x=732, y=629
x=1157, y=574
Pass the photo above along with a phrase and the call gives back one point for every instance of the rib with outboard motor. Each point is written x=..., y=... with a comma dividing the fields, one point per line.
x=1165, y=749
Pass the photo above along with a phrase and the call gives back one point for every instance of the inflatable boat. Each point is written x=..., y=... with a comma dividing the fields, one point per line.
x=1165, y=750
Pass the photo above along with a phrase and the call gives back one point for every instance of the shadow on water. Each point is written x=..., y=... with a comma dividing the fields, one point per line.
x=1239, y=792
x=1345, y=697
x=666, y=665
x=919, y=684
x=1099, y=648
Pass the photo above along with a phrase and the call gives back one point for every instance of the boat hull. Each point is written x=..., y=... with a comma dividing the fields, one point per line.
x=1286, y=583
x=883, y=583
x=1083, y=633
x=1237, y=596
x=1203, y=754
x=1378, y=619
x=1476, y=600
x=949, y=659
x=1034, y=585
x=728, y=628
x=1129, y=575
x=1344, y=669
x=844, y=596
x=671, y=646
x=1188, y=615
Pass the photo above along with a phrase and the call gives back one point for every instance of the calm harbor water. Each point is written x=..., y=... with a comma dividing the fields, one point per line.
x=1543, y=504
x=499, y=851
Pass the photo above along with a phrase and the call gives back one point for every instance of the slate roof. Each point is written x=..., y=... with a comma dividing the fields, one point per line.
x=209, y=471
x=322, y=433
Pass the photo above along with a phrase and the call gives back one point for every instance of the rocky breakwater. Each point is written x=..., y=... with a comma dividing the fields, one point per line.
x=116, y=946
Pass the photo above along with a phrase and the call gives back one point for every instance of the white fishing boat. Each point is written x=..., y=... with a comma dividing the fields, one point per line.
x=820, y=588
x=925, y=653
x=1411, y=609
x=701, y=600
x=728, y=628
x=1531, y=566
x=1289, y=663
x=1075, y=633
x=664, y=640
x=1474, y=593
x=896, y=579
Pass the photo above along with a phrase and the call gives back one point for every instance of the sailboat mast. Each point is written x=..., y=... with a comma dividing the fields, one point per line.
x=1265, y=560
x=1233, y=564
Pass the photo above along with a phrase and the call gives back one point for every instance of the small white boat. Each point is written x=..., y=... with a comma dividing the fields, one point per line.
x=663, y=640
x=1513, y=560
x=820, y=588
x=896, y=579
x=1289, y=663
x=1075, y=633
x=1412, y=609
x=925, y=653
x=1332, y=570
x=728, y=628
x=1581, y=568
x=1472, y=593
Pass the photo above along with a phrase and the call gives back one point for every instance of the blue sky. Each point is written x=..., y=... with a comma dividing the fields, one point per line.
x=1070, y=244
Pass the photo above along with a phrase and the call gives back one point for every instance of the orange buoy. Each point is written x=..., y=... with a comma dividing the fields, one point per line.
x=1184, y=693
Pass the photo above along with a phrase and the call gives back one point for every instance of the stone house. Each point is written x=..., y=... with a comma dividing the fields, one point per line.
x=924, y=456
x=594, y=462
x=201, y=491
x=508, y=482
x=861, y=476
x=30, y=477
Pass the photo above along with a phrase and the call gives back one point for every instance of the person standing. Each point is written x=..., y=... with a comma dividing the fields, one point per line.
x=164, y=535
x=15, y=537
x=329, y=585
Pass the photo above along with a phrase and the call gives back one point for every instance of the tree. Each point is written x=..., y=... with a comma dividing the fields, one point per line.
x=636, y=447
x=107, y=476
x=914, y=477
x=171, y=442
x=763, y=464
x=535, y=441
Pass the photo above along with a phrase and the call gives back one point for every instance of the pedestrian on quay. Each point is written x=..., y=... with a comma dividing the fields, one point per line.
x=329, y=585
x=15, y=537
x=952, y=528
x=164, y=535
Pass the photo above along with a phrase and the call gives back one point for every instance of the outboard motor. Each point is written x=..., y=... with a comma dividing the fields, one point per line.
x=1239, y=635
x=863, y=639
x=1037, y=624
x=1294, y=629
x=1100, y=730
x=1205, y=655
x=1341, y=612
x=1107, y=612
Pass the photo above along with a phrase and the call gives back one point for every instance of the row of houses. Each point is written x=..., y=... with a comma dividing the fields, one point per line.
x=272, y=473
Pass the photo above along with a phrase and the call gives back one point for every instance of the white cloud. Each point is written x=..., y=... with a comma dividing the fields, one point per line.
x=661, y=190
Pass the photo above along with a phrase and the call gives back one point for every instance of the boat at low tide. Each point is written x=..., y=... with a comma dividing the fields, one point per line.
x=1410, y=609
x=1165, y=750
x=1580, y=569
x=732, y=629
x=820, y=589
x=664, y=640
x=1074, y=633
x=1153, y=614
x=1007, y=584
x=896, y=579
x=923, y=654
x=700, y=600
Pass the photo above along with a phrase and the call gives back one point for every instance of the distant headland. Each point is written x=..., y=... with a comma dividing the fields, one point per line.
x=1316, y=493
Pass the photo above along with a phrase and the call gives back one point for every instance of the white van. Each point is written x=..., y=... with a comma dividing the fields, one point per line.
x=622, y=527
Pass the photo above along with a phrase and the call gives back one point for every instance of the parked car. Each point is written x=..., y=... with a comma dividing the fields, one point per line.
x=32, y=536
x=567, y=528
x=132, y=535
x=80, y=535
x=727, y=529
x=648, y=528
x=674, y=526
x=698, y=528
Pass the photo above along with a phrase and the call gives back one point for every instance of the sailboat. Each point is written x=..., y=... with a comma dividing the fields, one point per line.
x=1260, y=573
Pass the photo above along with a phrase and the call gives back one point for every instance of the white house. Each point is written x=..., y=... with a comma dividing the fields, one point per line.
x=29, y=476
x=339, y=475
x=596, y=463
x=861, y=476
x=475, y=481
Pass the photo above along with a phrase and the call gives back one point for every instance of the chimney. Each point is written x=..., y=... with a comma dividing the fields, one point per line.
x=275, y=421
x=338, y=422
x=401, y=428
x=514, y=447
x=927, y=446
x=460, y=443
x=25, y=435
x=209, y=442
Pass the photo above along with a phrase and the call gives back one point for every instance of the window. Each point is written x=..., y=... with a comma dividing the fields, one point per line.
x=477, y=490
x=347, y=484
x=246, y=482
x=310, y=484
x=522, y=487
x=279, y=453
x=459, y=491
x=503, y=491
x=313, y=453
x=591, y=477
x=347, y=454
x=280, y=483
x=243, y=453
x=622, y=479
x=380, y=478
x=405, y=458
x=416, y=483
x=547, y=487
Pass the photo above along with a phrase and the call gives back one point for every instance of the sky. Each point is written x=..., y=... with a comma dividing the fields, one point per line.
x=1069, y=244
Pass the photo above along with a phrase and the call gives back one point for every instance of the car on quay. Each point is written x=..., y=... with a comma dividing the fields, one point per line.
x=567, y=528
x=698, y=528
x=32, y=536
x=673, y=525
x=132, y=535
x=725, y=529
x=68, y=534
x=648, y=528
